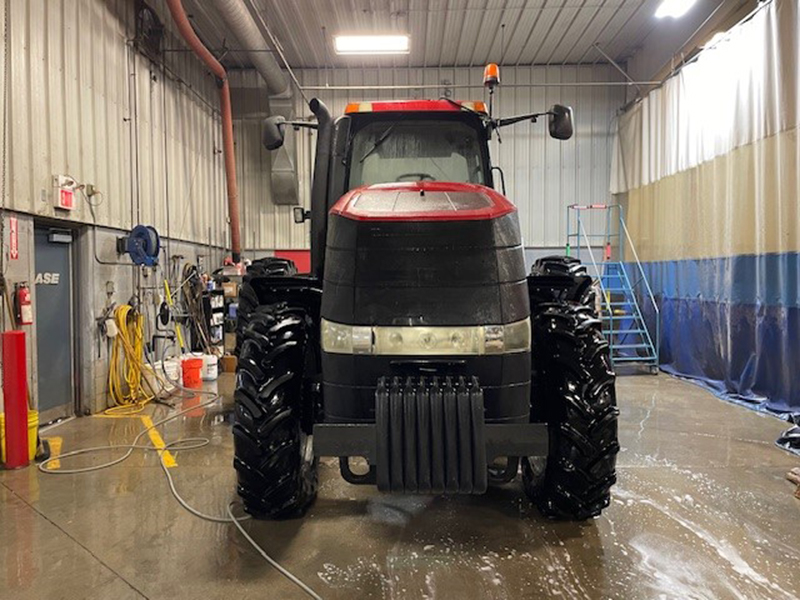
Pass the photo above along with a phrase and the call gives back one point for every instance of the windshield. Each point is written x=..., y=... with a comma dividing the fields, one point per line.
x=416, y=150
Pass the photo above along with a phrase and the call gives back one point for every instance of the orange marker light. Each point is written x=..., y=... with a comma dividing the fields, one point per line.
x=491, y=76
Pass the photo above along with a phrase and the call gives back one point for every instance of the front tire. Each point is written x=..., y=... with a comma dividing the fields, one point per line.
x=277, y=470
x=573, y=392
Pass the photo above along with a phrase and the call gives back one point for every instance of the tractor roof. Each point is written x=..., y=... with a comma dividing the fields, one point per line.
x=413, y=106
x=422, y=201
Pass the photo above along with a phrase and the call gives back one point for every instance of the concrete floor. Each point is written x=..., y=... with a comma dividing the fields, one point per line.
x=701, y=511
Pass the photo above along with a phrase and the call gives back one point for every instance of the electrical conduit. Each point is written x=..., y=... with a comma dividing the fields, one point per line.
x=188, y=34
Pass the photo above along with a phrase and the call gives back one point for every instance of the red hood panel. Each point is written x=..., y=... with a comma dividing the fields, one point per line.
x=422, y=201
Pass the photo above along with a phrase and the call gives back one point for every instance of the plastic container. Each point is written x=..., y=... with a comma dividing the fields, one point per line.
x=33, y=431
x=192, y=372
x=156, y=382
x=210, y=367
x=172, y=368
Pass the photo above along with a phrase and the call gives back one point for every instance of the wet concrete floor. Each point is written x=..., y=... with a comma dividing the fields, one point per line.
x=701, y=510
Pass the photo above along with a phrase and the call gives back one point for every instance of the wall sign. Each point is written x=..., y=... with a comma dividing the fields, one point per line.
x=13, y=241
x=65, y=188
x=47, y=278
x=66, y=199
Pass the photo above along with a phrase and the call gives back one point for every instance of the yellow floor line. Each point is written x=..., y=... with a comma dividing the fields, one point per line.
x=120, y=416
x=158, y=442
x=55, y=450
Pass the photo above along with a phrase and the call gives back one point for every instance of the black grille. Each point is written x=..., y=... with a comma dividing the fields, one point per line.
x=430, y=435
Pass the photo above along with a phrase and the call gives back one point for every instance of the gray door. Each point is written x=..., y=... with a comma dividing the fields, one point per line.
x=53, y=318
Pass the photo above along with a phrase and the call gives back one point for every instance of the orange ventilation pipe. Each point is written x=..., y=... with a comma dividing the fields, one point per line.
x=188, y=34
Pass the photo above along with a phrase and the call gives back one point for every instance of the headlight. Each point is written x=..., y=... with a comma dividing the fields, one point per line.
x=346, y=339
x=426, y=341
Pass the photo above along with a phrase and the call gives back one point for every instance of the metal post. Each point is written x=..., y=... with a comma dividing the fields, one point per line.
x=15, y=394
x=569, y=231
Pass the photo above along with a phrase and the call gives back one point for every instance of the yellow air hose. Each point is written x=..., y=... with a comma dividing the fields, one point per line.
x=125, y=380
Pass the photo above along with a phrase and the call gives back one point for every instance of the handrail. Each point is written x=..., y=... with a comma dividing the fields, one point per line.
x=591, y=254
x=618, y=235
x=639, y=264
x=647, y=285
x=600, y=281
x=639, y=314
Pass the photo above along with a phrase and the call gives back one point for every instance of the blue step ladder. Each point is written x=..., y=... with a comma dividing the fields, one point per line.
x=621, y=284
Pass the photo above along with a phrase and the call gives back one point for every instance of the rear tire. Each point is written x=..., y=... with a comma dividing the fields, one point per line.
x=272, y=266
x=558, y=265
x=248, y=300
x=277, y=470
x=573, y=392
x=564, y=279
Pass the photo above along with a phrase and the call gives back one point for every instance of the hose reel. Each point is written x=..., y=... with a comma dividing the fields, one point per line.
x=142, y=244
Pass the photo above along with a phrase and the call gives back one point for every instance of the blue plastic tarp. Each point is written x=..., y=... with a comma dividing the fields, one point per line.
x=733, y=324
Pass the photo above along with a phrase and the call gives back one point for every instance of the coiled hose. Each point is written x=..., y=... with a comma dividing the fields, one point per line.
x=129, y=390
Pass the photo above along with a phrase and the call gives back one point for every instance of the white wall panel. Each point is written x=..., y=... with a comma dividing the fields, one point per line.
x=543, y=175
x=82, y=99
x=266, y=226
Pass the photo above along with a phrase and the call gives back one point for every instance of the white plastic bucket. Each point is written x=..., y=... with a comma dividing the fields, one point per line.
x=155, y=382
x=210, y=367
x=172, y=367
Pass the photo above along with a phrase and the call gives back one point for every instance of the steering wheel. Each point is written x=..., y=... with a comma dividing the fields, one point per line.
x=416, y=176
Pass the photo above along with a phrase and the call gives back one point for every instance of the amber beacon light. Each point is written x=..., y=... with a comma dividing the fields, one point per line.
x=491, y=76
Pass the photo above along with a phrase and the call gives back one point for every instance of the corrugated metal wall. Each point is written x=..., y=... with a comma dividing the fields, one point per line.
x=82, y=100
x=543, y=175
x=266, y=226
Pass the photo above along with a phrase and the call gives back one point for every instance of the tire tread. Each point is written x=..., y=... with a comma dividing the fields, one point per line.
x=573, y=392
x=274, y=481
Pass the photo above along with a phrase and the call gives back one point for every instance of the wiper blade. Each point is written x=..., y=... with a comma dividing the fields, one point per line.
x=378, y=142
x=461, y=106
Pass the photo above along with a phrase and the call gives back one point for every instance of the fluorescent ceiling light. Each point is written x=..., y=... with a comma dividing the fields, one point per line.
x=371, y=44
x=674, y=8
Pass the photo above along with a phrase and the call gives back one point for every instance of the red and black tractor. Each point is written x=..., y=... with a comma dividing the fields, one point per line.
x=418, y=341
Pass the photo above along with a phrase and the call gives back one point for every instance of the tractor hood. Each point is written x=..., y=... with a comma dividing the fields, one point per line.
x=423, y=255
x=422, y=201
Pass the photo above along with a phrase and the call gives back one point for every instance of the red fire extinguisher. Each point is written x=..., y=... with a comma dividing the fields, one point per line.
x=24, y=305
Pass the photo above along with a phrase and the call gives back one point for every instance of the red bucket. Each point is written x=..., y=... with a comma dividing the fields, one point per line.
x=192, y=372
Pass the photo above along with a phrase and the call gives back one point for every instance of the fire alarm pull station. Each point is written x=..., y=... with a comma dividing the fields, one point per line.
x=65, y=190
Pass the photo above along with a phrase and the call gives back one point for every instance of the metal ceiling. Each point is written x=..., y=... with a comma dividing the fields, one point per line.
x=446, y=33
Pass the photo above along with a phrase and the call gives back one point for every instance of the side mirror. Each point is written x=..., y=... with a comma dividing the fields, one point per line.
x=300, y=214
x=560, y=122
x=272, y=133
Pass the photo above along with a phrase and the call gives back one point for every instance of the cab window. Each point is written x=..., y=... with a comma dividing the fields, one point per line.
x=416, y=150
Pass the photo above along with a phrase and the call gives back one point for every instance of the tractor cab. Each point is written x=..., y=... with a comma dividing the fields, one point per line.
x=402, y=141
x=411, y=141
